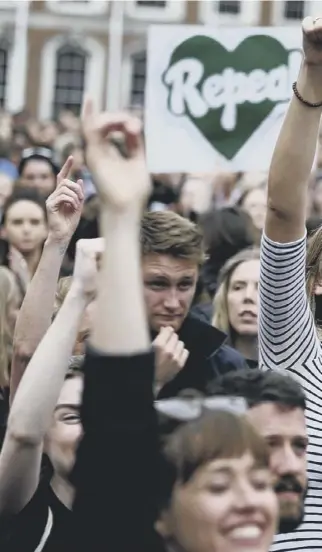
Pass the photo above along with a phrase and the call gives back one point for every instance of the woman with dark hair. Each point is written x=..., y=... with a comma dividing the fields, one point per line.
x=226, y=232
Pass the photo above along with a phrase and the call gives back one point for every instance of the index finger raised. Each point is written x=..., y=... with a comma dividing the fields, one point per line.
x=65, y=170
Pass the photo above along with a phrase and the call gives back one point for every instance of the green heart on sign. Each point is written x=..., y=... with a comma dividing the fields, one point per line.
x=227, y=95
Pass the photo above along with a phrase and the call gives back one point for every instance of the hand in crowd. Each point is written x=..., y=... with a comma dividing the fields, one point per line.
x=171, y=356
x=88, y=256
x=122, y=181
x=312, y=40
x=64, y=205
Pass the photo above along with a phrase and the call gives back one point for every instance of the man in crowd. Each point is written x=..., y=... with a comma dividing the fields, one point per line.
x=38, y=170
x=277, y=411
x=189, y=352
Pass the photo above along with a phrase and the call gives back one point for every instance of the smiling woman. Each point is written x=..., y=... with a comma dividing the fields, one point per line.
x=236, y=303
x=216, y=490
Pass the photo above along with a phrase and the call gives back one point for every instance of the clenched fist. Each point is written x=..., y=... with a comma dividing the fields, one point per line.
x=312, y=40
x=171, y=356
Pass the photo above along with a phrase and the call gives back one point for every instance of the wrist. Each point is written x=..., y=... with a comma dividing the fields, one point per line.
x=120, y=221
x=77, y=292
x=309, y=82
x=57, y=245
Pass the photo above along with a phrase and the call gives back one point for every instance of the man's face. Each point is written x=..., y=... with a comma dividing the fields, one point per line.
x=38, y=173
x=284, y=430
x=169, y=288
x=25, y=226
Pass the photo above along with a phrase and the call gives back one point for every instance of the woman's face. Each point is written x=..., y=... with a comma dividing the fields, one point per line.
x=66, y=429
x=227, y=505
x=242, y=298
x=255, y=204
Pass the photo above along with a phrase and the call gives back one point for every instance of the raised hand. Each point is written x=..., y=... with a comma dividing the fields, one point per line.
x=88, y=256
x=312, y=40
x=64, y=205
x=122, y=182
x=171, y=356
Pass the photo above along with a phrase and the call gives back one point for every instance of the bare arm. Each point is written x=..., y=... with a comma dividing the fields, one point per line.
x=117, y=412
x=32, y=410
x=36, y=311
x=64, y=208
x=295, y=149
x=118, y=329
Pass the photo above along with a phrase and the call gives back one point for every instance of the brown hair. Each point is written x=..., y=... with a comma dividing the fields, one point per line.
x=221, y=318
x=166, y=233
x=215, y=435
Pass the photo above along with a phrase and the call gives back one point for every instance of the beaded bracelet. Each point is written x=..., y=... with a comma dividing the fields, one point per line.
x=299, y=97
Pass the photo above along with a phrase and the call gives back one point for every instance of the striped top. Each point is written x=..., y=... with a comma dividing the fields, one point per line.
x=288, y=341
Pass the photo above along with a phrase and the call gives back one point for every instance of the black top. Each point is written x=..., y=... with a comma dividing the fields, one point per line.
x=116, y=466
x=115, y=471
x=45, y=523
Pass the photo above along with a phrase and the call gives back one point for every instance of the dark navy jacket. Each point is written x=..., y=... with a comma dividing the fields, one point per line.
x=209, y=358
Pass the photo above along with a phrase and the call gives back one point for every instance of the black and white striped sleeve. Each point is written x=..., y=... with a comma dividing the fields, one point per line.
x=287, y=334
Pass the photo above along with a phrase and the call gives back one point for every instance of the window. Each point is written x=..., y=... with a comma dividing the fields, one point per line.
x=230, y=12
x=151, y=3
x=4, y=59
x=229, y=6
x=69, y=68
x=138, y=79
x=290, y=12
x=155, y=10
x=294, y=9
x=69, y=79
x=78, y=7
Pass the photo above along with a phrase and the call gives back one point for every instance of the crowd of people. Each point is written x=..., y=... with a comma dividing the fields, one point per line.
x=160, y=340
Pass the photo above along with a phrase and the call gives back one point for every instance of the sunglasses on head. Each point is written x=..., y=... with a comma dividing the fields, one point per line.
x=187, y=409
x=42, y=152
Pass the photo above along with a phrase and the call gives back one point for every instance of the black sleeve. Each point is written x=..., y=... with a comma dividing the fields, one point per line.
x=115, y=470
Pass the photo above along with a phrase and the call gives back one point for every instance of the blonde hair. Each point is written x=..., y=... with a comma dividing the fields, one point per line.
x=63, y=288
x=221, y=316
x=8, y=288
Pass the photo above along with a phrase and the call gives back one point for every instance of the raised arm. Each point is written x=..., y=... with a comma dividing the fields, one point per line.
x=287, y=334
x=116, y=460
x=295, y=149
x=32, y=409
x=64, y=208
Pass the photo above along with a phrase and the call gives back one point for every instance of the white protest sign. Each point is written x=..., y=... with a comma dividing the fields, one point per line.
x=217, y=97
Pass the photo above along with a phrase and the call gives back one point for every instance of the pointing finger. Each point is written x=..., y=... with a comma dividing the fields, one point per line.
x=65, y=170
